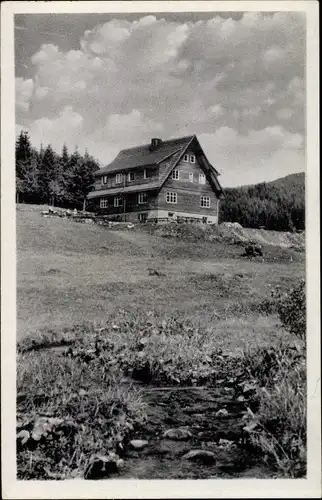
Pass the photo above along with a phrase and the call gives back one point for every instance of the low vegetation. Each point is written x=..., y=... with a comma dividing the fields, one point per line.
x=70, y=413
x=75, y=408
x=278, y=429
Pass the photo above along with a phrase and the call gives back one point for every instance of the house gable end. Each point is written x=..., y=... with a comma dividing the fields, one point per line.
x=202, y=162
x=165, y=160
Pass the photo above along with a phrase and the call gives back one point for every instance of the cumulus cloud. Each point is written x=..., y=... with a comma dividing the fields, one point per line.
x=24, y=90
x=134, y=124
x=130, y=80
x=66, y=127
x=284, y=113
x=253, y=157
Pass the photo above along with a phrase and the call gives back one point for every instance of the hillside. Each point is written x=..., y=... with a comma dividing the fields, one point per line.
x=295, y=182
x=278, y=205
x=70, y=273
x=140, y=350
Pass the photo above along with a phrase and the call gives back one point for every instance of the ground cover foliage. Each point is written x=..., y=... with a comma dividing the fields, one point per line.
x=80, y=405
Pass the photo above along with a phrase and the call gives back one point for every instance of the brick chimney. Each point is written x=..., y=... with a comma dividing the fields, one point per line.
x=155, y=143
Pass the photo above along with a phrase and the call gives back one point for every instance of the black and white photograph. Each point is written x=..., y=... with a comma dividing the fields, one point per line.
x=160, y=195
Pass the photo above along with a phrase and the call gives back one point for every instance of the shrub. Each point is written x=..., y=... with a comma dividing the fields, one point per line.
x=276, y=424
x=291, y=308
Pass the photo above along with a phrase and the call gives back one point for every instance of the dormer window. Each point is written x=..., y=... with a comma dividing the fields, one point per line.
x=175, y=174
x=104, y=179
x=192, y=159
x=130, y=176
x=147, y=173
x=119, y=178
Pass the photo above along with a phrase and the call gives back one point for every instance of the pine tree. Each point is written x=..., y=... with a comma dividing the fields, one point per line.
x=79, y=177
x=64, y=157
x=47, y=174
x=31, y=185
x=23, y=155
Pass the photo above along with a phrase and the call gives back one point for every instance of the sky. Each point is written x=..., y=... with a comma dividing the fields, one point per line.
x=106, y=82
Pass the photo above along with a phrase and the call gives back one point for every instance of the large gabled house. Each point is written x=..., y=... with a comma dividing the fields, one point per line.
x=162, y=180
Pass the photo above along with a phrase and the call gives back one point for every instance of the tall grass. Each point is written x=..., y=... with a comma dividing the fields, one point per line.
x=278, y=427
x=70, y=411
x=84, y=386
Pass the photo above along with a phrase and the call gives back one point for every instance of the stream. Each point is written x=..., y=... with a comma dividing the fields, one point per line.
x=194, y=409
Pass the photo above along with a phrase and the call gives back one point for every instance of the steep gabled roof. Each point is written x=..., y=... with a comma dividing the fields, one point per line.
x=141, y=156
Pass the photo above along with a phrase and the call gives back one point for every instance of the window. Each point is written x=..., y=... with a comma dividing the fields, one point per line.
x=175, y=174
x=205, y=201
x=118, y=201
x=119, y=178
x=171, y=197
x=142, y=198
x=202, y=179
x=131, y=176
x=103, y=203
x=143, y=217
x=147, y=173
x=186, y=158
x=190, y=176
x=104, y=179
x=192, y=159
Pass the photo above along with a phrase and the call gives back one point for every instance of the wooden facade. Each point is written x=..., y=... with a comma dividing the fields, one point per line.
x=179, y=185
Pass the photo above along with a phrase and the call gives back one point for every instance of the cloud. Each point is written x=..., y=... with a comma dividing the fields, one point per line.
x=284, y=113
x=260, y=155
x=217, y=110
x=130, y=80
x=66, y=128
x=24, y=90
x=134, y=124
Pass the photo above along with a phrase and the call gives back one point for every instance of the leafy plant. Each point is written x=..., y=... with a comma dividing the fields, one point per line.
x=276, y=427
x=291, y=308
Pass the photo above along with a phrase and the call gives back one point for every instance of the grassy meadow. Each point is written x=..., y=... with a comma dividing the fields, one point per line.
x=70, y=273
x=106, y=315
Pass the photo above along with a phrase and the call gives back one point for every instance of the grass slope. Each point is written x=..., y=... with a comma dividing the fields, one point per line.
x=71, y=273
x=78, y=405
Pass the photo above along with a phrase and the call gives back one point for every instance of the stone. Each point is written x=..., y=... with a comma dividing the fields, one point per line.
x=44, y=426
x=198, y=416
x=204, y=456
x=101, y=466
x=23, y=436
x=222, y=413
x=179, y=434
x=139, y=444
x=226, y=443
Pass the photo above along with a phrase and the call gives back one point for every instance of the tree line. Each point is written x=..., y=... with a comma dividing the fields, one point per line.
x=62, y=179
x=277, y=205
x=46, y=177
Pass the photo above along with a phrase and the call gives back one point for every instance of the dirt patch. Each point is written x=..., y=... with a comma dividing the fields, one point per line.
x=52, y=272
